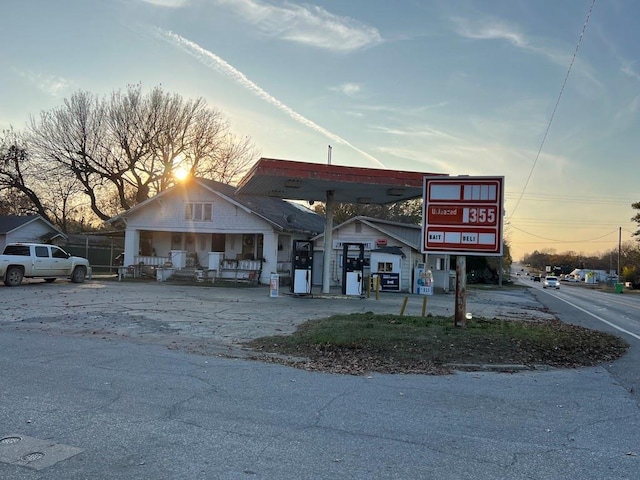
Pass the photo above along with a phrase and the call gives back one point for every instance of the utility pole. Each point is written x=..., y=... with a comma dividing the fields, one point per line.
x=619, y=248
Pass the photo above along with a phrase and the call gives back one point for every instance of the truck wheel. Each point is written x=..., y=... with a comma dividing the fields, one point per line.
x=78, y=275
x=13, y=277
x=49, y=280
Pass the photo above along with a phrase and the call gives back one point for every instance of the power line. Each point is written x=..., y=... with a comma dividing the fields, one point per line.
x=555, y=108
x=582, y=240
x=570, y=198
x=587, y=223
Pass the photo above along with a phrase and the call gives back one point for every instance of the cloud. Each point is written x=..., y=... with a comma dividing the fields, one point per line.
x=496, y=29
x=628, y=70
x=421, y=131
x=492, y=29
x=349, y=89
x=168, y=3
x=306, y=24
x=50, y=84
x=213, y=61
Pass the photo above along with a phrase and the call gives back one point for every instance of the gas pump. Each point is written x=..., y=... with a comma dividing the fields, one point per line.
x=301, y=265
x=352, y=269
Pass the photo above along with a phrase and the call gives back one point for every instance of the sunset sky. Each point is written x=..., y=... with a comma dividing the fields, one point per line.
x=542, y=92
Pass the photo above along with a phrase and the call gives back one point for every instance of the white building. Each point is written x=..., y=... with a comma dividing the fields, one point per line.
x=390, y=248
x=203, y=224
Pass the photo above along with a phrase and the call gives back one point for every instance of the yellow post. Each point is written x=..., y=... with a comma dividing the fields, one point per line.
x=377, y=287
x=424, y=305
x=404, y=305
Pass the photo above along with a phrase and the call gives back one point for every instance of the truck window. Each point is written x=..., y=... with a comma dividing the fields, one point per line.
x=22, y=250
x=58, y=253
x=42, y=252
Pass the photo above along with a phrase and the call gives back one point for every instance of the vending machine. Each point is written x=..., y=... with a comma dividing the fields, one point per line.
x=353, y=269
x=301, y=267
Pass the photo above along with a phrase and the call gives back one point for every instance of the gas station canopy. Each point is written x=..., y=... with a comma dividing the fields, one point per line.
x=311, y=181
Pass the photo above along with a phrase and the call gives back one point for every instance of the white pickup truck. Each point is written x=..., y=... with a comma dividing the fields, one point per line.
x=34, y=260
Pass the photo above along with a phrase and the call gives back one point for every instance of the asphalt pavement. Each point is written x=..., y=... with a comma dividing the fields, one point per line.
x=110, y=380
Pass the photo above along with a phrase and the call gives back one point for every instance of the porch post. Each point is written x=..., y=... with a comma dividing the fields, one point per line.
x=131, y=246
x=270, y=255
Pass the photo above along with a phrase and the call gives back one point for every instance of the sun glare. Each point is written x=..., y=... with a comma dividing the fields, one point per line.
x=180, y=173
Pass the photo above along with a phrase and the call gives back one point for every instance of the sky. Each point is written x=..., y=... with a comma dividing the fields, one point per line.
x=542, y=92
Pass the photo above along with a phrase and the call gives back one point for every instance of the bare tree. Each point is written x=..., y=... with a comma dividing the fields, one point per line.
x=63, y=197
x=71, y=137
x=122, y=150
x=230, y=161
x=17, y=171
x=409, y=211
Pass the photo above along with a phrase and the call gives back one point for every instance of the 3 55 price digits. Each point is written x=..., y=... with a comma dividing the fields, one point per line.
x=482, y=215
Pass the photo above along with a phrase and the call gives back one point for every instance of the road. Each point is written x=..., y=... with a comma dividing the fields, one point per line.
x=89, y=388
x=615, y=313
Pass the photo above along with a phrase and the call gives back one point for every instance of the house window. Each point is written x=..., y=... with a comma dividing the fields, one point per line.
x=200, y=212
x=206, y=212
x=197, y=211
x=385, y=267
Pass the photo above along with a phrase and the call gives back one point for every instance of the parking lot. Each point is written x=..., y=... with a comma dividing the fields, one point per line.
x=202, y=318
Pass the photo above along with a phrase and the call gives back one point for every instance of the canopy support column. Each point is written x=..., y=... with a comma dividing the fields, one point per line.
x=328, y=243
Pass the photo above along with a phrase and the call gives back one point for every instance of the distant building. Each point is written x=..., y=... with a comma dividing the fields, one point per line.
x=28, y=228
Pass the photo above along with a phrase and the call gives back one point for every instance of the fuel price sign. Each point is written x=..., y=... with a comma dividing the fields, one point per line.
x=463, y=215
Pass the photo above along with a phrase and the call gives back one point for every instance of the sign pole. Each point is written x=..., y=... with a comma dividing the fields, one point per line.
x=460, y=320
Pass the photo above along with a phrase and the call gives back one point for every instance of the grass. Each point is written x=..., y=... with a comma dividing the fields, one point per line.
x=367, y=342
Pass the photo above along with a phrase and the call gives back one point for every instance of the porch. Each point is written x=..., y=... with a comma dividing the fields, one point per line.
x=225, y=256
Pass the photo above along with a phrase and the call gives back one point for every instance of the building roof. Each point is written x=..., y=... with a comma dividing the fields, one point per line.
x=281, y=214
x=10, y=223
x=406, y=233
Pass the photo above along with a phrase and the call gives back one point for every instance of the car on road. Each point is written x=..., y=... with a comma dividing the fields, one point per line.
x=536, y=278
x=551, y=282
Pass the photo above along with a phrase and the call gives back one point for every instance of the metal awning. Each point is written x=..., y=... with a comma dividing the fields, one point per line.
x=311, y=181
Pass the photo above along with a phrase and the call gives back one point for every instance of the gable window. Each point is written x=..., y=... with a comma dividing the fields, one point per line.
x=200, y=212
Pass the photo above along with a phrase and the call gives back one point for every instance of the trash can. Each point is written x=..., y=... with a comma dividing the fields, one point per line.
x=619, y=287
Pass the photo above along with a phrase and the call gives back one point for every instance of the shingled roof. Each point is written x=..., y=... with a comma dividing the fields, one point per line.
x=9, y=223
x=285, y=215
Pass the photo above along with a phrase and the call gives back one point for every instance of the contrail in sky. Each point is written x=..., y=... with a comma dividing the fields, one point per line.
x=212, y=60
